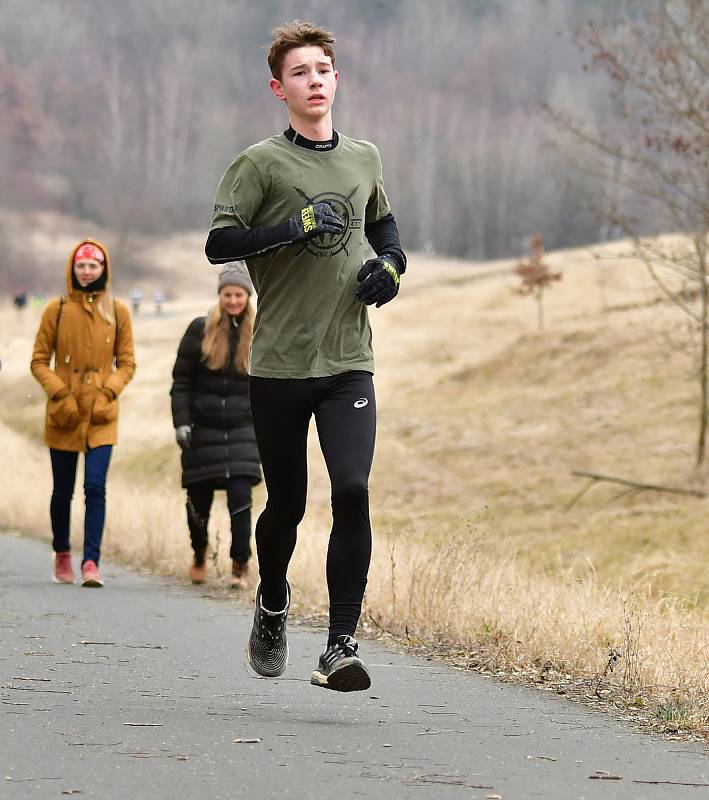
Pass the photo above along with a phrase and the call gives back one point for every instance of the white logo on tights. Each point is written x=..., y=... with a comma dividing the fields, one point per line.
x=361, y=403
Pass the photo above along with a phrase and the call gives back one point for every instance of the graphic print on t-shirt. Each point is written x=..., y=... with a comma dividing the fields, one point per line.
x=329, y=244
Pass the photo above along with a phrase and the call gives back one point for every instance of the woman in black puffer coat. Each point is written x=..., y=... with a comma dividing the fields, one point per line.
x=212, y=419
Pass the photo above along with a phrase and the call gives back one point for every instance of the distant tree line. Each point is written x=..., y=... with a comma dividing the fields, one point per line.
x=127, y=113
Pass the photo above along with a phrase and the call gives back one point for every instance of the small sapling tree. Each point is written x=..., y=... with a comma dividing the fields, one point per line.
x=535, y=277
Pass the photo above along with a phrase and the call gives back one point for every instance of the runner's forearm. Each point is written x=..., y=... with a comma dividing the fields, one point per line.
x=383, y=236
x=234, y=244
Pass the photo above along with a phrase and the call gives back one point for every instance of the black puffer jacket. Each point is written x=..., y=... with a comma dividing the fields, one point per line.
x=216, y=404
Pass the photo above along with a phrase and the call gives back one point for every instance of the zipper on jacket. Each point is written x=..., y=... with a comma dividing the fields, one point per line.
x=226, y=432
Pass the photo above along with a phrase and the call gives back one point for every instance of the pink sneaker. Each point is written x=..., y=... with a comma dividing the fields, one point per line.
x=63, y=571
x=90, y=575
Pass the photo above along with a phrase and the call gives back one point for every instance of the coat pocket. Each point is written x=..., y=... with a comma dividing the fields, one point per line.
x=64, y=413
x=104, y=410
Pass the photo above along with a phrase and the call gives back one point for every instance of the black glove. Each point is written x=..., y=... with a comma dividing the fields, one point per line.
x=313, y=220
x=183, y=436
x=378, y=281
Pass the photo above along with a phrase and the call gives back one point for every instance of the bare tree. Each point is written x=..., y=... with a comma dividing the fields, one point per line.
x=20, y=124
x=657, y=151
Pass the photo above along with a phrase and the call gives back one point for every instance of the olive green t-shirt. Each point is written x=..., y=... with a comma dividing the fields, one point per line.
x=309, y=324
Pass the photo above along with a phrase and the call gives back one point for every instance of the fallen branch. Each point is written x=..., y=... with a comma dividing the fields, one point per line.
x=673, y=783
x=634, y=486
x=377, y=624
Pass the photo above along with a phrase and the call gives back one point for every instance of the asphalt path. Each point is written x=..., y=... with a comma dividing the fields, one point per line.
x=139, y=690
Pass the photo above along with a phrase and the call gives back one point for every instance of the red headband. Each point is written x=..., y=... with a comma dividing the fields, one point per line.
x=89, y=252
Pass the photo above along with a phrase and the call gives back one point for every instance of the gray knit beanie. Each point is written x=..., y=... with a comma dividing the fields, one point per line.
x=235, y=274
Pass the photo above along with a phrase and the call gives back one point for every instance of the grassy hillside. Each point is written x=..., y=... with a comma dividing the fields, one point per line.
x=481, y=421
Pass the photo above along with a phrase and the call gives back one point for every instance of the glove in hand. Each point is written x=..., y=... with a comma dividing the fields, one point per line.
x=183, y=436
x=378, y=281
x=313, y=220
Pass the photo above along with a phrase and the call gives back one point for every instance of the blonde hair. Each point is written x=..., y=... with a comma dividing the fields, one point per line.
x=215, y=339
x=106, y=306
x=297, y=34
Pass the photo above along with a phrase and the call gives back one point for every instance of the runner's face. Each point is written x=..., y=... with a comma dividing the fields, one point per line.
x=308, y=83
x=233, y=299
x=87, y=271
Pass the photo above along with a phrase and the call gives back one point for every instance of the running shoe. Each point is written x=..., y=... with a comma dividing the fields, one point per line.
x=90, y=576
x=341, y=669
x=268, y=646
x=63, y=571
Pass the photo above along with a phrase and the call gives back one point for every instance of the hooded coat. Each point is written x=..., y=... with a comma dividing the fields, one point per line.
x=215, y=403
x=93, y=361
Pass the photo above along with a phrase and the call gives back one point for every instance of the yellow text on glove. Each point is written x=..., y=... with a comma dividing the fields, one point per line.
x=307, y=214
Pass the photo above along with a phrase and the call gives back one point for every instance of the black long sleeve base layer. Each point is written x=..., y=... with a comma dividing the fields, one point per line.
x=345, y=415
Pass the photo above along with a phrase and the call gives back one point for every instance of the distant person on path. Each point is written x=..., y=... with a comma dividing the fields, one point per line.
x=136, y=295
x=20, y=299
x=297, y=207
x=89, y=333
x=212, y=419
x=159, y=299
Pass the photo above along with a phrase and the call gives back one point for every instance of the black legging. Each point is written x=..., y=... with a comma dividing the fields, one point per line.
x=199, y=504
x=345, y=415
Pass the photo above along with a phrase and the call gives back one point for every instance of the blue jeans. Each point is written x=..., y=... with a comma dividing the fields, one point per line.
x=64, y=463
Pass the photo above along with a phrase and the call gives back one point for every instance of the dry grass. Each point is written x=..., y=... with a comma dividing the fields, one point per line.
x=481, y=422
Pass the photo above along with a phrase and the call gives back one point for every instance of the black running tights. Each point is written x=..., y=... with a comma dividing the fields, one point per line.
x=345, y=415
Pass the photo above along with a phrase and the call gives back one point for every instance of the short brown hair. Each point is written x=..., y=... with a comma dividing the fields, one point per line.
x=297, y=34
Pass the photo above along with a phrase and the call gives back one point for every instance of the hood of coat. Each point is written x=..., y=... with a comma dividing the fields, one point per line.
x=70, y=264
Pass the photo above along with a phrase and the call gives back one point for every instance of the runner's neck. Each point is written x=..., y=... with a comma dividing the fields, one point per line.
x=311, y=144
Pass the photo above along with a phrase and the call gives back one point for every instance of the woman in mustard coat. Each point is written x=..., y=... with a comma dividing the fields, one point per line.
x=89, y=333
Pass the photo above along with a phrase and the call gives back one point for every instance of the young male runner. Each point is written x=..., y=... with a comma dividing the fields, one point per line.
x=297, y=207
